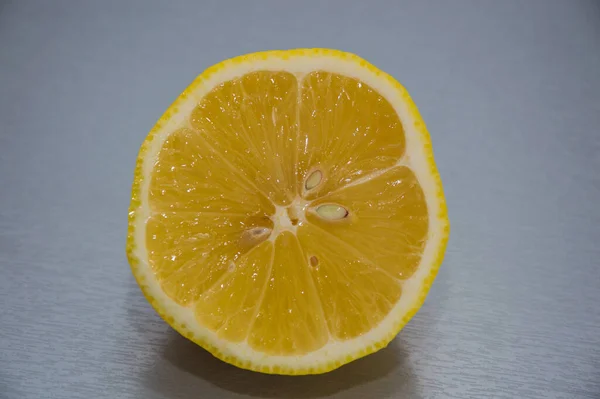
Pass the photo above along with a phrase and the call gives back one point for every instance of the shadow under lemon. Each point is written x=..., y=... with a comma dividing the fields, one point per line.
x=378, y=375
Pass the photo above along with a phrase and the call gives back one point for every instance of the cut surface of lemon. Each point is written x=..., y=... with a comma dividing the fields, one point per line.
x=286, y=211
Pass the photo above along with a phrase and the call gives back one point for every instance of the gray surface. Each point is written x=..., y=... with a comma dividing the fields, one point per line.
x=511, y=94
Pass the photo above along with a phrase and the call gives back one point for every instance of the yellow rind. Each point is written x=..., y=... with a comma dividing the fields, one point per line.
x=442, y=214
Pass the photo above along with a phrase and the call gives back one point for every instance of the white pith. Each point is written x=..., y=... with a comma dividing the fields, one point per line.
x=416, y=159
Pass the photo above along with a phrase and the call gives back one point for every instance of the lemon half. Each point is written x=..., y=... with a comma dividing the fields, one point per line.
x=286, y=211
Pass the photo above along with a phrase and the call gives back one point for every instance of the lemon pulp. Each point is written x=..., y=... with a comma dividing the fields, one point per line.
x=240, y=168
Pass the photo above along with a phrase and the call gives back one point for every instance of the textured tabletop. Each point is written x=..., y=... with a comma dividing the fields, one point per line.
x=510, y=91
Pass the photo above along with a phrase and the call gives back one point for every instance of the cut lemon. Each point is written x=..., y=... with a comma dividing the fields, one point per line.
x=286, y=212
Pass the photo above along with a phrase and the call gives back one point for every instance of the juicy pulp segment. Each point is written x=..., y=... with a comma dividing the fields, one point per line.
x=189, y=252
x=189, y=176
x=355, y=294
x=290, y=319
x=252, y=120
x=387, y=221
x=347, y=130
x=230, y=306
